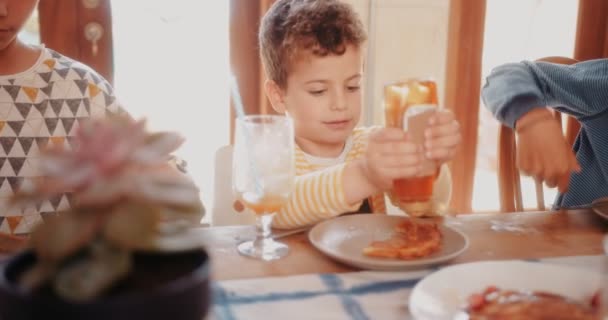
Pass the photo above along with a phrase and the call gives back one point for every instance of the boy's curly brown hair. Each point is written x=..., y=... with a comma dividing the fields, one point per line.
x=293, y=27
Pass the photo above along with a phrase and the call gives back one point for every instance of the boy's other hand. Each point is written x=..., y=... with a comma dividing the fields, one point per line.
x=391, y=156
x=442, y=137
x=542, y=150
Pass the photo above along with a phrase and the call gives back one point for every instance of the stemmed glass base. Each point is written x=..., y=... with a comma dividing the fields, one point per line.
x=263, y=247
x=267, y=250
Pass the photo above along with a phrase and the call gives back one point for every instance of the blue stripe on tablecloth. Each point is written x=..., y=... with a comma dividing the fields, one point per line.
x=368, y=288
x=351, y=306
x=220, y=301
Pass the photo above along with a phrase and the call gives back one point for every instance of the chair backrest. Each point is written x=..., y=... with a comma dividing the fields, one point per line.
x=226, y=210
x=509, y=183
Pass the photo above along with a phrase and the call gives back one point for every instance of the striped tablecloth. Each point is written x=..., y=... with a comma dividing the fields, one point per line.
x=356, y=295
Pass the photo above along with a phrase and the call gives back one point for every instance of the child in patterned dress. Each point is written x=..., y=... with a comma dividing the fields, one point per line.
x=43, y=95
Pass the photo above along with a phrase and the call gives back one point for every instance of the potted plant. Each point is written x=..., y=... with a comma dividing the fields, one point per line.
x=122, y=250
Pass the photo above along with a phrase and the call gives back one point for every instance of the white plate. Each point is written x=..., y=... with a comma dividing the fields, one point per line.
x=343, y=238
x=441, y=295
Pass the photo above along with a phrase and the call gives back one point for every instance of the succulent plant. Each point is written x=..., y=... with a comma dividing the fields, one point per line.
x=124, y=197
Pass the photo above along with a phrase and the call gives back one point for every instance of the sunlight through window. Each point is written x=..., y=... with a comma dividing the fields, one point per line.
x=171, y=66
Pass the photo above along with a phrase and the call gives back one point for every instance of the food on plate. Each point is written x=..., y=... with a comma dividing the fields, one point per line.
x=412, y=239
x=496, y=304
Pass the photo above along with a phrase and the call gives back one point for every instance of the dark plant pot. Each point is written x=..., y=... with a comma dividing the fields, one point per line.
x=173, y=286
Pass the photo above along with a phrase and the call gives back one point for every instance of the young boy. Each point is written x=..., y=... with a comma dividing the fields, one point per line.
x=313, y=56
x=519, y=95
x=43, y=95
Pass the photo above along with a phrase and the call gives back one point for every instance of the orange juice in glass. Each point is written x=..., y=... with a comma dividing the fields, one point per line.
x=408, y=105
x=263, y=176
x=267, y=204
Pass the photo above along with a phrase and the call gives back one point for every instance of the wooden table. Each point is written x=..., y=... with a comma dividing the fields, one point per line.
x=492, y=237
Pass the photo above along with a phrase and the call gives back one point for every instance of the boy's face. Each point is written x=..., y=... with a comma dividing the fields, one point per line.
x=323, y=97
x=13, y=15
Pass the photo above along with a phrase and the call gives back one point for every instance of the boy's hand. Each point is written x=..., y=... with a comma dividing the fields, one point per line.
x=391, y=156
x=442, y=137
x=542, y=150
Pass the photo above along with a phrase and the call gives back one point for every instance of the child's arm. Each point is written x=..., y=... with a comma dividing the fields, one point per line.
x=338, y=189
x=323, y=194
x=518, y=95
x=514, y=89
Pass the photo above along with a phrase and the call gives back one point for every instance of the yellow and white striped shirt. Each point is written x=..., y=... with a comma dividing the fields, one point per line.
x=319, y=193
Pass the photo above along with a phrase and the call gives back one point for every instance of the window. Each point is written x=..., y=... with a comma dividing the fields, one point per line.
x=171, y=66
x=518, y=30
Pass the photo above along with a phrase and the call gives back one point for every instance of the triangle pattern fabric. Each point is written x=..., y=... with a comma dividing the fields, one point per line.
x=51, y=124
x=33, y=153
x=17, y=151
x=65, y=110
x=29, y=170
x=81, y=72
x=5, y=109
x=32, y=93
x=71, y=140
x=16, y=126
x=82, y=85
x=7, y=143
x=13, y=222
x=48, y=90
x=4, y=96
x=41, y=107
x=62, y=72
x=33, y=127
x=68, y=123
x=72, y=75
x=13, y=91
x=59, y=130
x=14, y=182
x=45, y=76
x=57, y=141
x=14, y=115
x=28, y=221
x=5, y=187
x=7, y=131
x=50, y=63
x=109, y=99
x=73, y=105
x=46, y=206
x=56, y=106
x=42, y=142
x=24, y=108
x=96, y=79
x=64, y=204
x=49, y=113
x=87, y=107
x=55, y=201
x=46, y=215
x=93, y=90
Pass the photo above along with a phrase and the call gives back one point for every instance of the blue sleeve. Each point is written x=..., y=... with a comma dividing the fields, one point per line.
x=580, y=90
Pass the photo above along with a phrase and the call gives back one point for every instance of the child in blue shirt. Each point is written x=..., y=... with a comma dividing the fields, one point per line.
x=520, y=95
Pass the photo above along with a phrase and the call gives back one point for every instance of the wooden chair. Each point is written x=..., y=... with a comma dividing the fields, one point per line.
x=509, y=184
